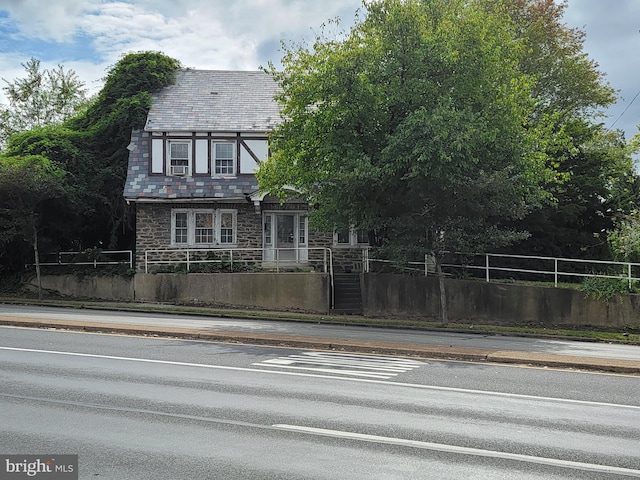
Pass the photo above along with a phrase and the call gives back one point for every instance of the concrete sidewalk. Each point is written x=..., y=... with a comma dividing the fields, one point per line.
x=404, y=348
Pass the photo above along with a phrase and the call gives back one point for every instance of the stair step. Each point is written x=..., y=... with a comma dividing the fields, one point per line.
x=348, y=297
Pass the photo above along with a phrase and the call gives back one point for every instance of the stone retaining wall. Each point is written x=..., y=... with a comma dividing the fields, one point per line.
x=284, y=291
x=472, y=301
x=384, y=295
x=102, y=288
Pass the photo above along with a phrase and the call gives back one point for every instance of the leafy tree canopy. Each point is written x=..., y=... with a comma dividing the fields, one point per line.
x=28, y=186
x=90, y=148
x=123, y=102
x=625, y=239
x=600, y=189
x=415, y=126
x=44, y=97
x=567, y=82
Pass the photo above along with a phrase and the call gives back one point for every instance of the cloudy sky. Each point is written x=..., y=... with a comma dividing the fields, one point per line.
x=89, y=36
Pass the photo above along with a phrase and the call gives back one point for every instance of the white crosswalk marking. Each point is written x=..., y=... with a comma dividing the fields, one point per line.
x=368, y=366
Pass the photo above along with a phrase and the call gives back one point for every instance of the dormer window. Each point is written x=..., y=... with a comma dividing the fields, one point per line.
x=224, y=158
x=179, y=153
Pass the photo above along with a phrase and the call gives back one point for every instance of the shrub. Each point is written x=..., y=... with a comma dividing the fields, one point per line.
x=598, y=288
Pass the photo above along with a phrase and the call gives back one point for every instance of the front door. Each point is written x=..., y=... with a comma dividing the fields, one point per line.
x=285, y=237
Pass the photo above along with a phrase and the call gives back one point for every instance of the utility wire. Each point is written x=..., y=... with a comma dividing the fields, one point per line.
x=623, y=112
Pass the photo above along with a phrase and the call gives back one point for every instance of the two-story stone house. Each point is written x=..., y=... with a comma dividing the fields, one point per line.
x=191, y=176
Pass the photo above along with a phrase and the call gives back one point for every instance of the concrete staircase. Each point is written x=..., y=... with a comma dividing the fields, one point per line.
x=347, y=294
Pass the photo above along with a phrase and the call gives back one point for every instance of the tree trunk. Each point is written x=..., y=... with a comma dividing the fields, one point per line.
x=443, y=294
x=37, y=258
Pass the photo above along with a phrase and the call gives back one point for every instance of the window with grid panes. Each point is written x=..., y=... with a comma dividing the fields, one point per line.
x=203, y=227
x=362, y=236
x=181, y=228
x=226, y=227
x=223, y=159
x=302, y=230
x=179, y=153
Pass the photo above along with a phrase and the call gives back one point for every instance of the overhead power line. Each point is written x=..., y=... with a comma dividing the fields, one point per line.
x=623, y=112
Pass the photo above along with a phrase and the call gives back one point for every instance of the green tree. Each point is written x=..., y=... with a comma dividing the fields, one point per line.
x=91, y=148
x=44, y=97
x=568, y=83
x=596, y=164
x=414, y=126
x=27, y=186
x=70, y=224
x=597, y=191
x=120, y=106
x=624, y=238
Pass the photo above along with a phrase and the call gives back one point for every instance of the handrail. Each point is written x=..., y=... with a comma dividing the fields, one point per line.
x=557, y=272
x=185, y=256
x=95, y=262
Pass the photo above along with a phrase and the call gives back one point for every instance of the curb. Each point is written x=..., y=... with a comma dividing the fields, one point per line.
x=440, y=352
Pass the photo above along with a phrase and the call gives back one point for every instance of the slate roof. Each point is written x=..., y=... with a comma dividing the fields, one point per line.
x=216, y=100
x=140, y=186
x=242, y=102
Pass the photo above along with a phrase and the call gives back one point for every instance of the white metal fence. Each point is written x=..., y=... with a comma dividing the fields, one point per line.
x=94, y=258
x=490, y=266
x=229, y=259
x=494, y=266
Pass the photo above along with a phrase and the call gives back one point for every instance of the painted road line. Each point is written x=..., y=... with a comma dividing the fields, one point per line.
x=441, y=447
x=433, y=388
x=368, y=366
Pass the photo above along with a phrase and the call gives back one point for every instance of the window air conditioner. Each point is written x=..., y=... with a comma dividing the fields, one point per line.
x=179, y=169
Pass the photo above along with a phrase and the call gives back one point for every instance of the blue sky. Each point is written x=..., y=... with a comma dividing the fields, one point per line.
x=89, y=36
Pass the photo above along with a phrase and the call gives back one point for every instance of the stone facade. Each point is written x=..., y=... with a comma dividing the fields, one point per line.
x=153, y=227
x=153, y=231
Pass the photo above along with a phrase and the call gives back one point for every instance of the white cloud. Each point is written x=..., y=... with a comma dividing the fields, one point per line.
x=244, y=34
x=206, y=34
x=49, y=20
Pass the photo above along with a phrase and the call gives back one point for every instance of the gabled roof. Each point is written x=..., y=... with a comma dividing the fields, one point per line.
x=216, y=100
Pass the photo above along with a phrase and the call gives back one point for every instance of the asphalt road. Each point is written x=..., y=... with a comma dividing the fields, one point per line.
x=148, y=408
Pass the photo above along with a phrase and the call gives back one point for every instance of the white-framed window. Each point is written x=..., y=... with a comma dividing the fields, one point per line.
x=227, y=229
x=351, y=237
x=302, y=230
x=342, y=237
x=268, y=237
x=180, y=229
x=362, y=237
x=204, y=228
x=179, y=157
x=224, y=158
